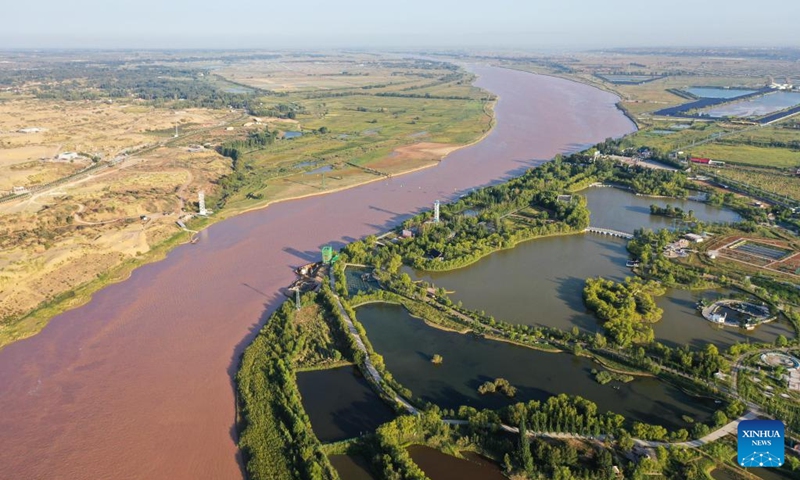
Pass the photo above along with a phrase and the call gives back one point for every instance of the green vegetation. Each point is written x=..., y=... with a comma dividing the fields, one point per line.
x=604, y=376
x=158, y=85
x=318, y=345
x=626, y=308
x=490, y=219
x=648, y=247
x=277, y=440
x=749, y=155
x=388, y=450
x=767, y=183
x=499, y=385
x=671, y=212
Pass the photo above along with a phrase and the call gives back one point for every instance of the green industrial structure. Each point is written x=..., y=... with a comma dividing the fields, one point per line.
x=327, y=254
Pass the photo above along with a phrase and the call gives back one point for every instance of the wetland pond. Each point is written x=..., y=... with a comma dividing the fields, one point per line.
x=625, y=211
x=541, y=282
x=341, y=404
x=407, y=345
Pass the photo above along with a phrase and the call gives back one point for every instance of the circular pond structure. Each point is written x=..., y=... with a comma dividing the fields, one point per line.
x=778, y=359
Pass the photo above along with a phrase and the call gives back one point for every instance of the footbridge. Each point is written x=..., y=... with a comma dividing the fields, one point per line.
x=607, y=231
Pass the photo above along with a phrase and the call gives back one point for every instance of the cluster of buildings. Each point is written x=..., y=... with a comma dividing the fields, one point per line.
x=781, y=86
x=680, y=247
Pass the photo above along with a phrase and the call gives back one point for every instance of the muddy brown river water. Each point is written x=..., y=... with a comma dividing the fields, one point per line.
x=138, y=382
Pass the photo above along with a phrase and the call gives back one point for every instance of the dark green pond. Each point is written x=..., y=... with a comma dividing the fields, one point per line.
x=351, y=468
x=341, y=404
x=441, y=466
x=407, y=344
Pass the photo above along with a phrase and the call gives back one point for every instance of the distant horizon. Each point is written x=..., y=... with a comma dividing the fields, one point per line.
x=477, y=49
x=441, y=24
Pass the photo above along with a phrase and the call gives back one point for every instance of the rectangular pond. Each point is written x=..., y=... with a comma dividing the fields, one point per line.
x=718, y=92
x=628, y=79
x=341, y=404
x=757, y=106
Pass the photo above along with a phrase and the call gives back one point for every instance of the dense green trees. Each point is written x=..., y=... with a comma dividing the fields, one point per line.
x=648, y=246
x=671, y=212
x=625, y=308
x=499, y=385
x=649, y=181
x=242, y=174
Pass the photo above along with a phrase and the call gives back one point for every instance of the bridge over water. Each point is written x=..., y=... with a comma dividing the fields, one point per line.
x=608, y=231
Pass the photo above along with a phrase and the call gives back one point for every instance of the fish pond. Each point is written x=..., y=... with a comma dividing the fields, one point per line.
x=341, y=404
x=717, y=92
x=757, y=106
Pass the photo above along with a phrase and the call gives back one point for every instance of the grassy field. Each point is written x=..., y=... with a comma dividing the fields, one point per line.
x=781, y=183
x=767, y=135
x=749, y=155
x=649, y=136
x=399, y=117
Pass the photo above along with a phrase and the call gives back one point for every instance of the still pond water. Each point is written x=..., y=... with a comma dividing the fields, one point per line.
x=341, y=404
x=541, y=282
x=441, y=466
x=757, y=106
x=407, y=345
x=711, y=92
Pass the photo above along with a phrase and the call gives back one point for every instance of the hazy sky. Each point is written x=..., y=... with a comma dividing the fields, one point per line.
x=399, y=23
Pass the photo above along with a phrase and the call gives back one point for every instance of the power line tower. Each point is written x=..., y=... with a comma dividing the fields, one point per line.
x=201, y=200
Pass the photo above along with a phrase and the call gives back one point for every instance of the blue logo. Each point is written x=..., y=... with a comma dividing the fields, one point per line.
x=761, y=443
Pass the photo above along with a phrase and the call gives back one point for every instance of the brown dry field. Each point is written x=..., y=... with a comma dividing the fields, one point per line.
x=92, y=127
x=67, y=235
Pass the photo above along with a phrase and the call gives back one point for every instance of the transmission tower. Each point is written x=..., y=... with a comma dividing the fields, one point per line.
x=201, y=200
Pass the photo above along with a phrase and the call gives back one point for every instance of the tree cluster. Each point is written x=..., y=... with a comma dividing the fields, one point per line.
x=626, y=309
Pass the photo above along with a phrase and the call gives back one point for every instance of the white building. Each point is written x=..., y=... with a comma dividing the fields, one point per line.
x=67, y=156
x=693, y=237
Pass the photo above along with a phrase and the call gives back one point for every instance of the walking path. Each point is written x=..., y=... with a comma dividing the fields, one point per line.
x=371, y=370
x=729, y=428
